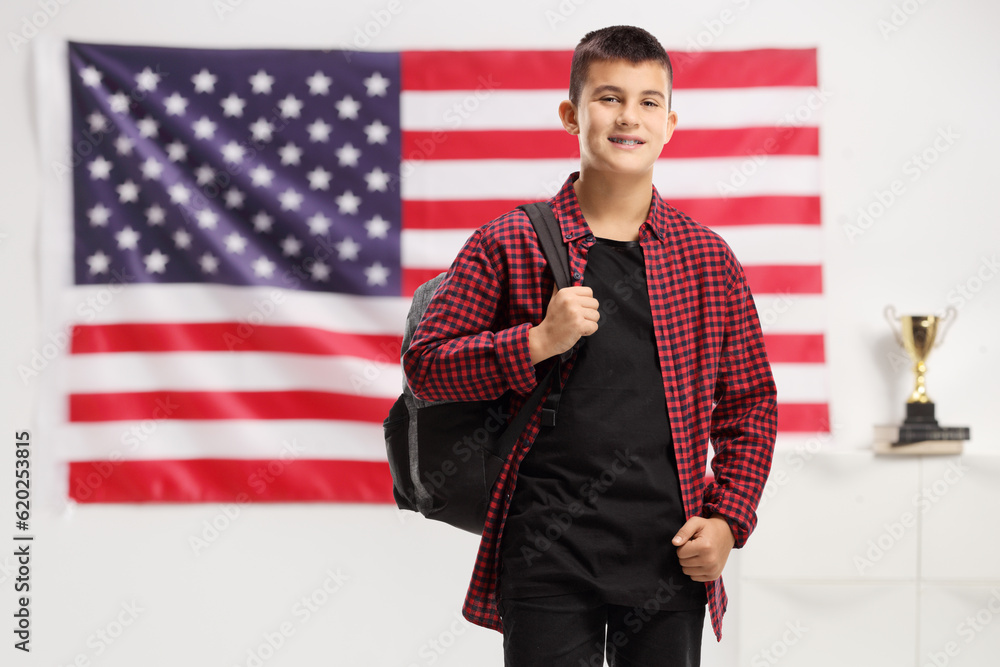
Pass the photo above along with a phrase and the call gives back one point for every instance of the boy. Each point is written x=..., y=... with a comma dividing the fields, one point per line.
x=603, y=535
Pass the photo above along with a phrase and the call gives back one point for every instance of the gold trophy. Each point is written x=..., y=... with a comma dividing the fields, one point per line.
x=918, y=335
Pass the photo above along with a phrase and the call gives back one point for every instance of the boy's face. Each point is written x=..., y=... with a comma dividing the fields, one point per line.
x=622, y=117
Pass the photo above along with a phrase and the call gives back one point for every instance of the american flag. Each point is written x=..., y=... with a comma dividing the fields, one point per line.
x=248, y=226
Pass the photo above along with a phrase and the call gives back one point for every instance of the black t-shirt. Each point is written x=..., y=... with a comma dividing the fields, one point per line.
x=597, y=499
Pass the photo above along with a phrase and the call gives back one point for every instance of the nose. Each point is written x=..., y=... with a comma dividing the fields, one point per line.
x=628, y=115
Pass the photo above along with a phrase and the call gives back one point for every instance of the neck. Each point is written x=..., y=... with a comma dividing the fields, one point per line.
x=614, y=205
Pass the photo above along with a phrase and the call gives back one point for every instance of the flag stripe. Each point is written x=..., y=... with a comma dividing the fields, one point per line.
x=230, y=336
x=447, y=111
x=544, y=144
x=532, y=179
x=803, y=417
x=231, y=480
x=226, y=371
x=118, y=406
x=712, y=211
x=532, y=70
x=791, y=348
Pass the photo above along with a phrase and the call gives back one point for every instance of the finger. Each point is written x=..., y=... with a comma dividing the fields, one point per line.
x=687, y=531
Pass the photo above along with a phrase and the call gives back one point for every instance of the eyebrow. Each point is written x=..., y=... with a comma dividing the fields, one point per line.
x=615, y=89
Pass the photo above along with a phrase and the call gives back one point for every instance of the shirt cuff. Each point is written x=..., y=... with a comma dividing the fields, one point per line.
x=515, y=359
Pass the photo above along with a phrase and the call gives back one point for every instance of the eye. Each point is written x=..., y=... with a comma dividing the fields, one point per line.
x=651, y=103
x=609, y=98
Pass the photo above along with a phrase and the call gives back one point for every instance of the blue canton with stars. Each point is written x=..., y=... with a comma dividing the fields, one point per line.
x=236, y=167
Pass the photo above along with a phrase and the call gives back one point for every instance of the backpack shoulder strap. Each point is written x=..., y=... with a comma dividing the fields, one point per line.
x=550, y=236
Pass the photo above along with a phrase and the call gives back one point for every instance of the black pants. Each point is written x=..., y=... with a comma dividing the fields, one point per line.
x=578, y=630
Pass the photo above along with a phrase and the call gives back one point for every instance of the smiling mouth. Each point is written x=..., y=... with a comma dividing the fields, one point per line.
x=626, y=142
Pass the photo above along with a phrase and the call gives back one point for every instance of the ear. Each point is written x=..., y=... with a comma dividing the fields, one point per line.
x=671, y=124
x=568, y=116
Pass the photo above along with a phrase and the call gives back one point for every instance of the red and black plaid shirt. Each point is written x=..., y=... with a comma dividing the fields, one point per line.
x=472, y=344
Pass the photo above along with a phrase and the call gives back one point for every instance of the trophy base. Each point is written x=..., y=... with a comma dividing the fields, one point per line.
x=921, y=426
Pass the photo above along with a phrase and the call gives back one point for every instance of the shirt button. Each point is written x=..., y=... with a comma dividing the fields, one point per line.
x=576, y=275
x=568, y=236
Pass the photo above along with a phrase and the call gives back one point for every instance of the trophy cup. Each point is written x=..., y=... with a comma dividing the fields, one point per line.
x=918, y=335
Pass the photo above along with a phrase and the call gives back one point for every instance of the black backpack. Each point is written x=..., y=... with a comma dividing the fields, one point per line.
x=445, y=456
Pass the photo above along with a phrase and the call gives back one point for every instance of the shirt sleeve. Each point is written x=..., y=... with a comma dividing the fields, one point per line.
x=459, y=351
x=744, y=421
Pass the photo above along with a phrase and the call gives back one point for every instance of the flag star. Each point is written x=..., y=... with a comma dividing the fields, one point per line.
x=319, y=272
x=123, y=145
x=377, y=274
x=233, y=152
x=233, y=105
x=204, y=174
x=262, y=130
x=119, y=102
x=348, y=249
x=291, y=246
x=319, y=224
x=91, y=76
x=348, y=108
x=377, y=132
x=377, y=180
x=204, y=81
x=147, y=79
x=290, y=154
x=148, y=127
x=319, y=179
x=179, y=194
x=151, y=169
x=376, y=85
x=98, y=263
x=182, y=239
x=235, y=243
x=348, y=202
x=176, y=151
x=347, y=156
x=176, y=104
x=127, y=238
x=156, y=262
x=261, y=176
x=319, y=130
x=155, y=215
x=263, y=267
x=209, y=263
x=262, y=222
x=99, y=168
x=128, y=192
x=262, y=82
x=319, y=84
x=378, y=228
x=99, y=215
x=203, y=128
x=290, y=200
x=98, y=122
x=207, y=218
x=234, y=198
x=291, y=107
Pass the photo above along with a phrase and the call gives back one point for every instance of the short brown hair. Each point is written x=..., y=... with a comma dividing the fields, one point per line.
x=618, y=42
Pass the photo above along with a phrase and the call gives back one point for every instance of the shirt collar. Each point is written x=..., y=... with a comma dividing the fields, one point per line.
x=574, y=226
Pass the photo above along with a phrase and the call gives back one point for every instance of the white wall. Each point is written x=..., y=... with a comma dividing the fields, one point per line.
x=890, y=96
